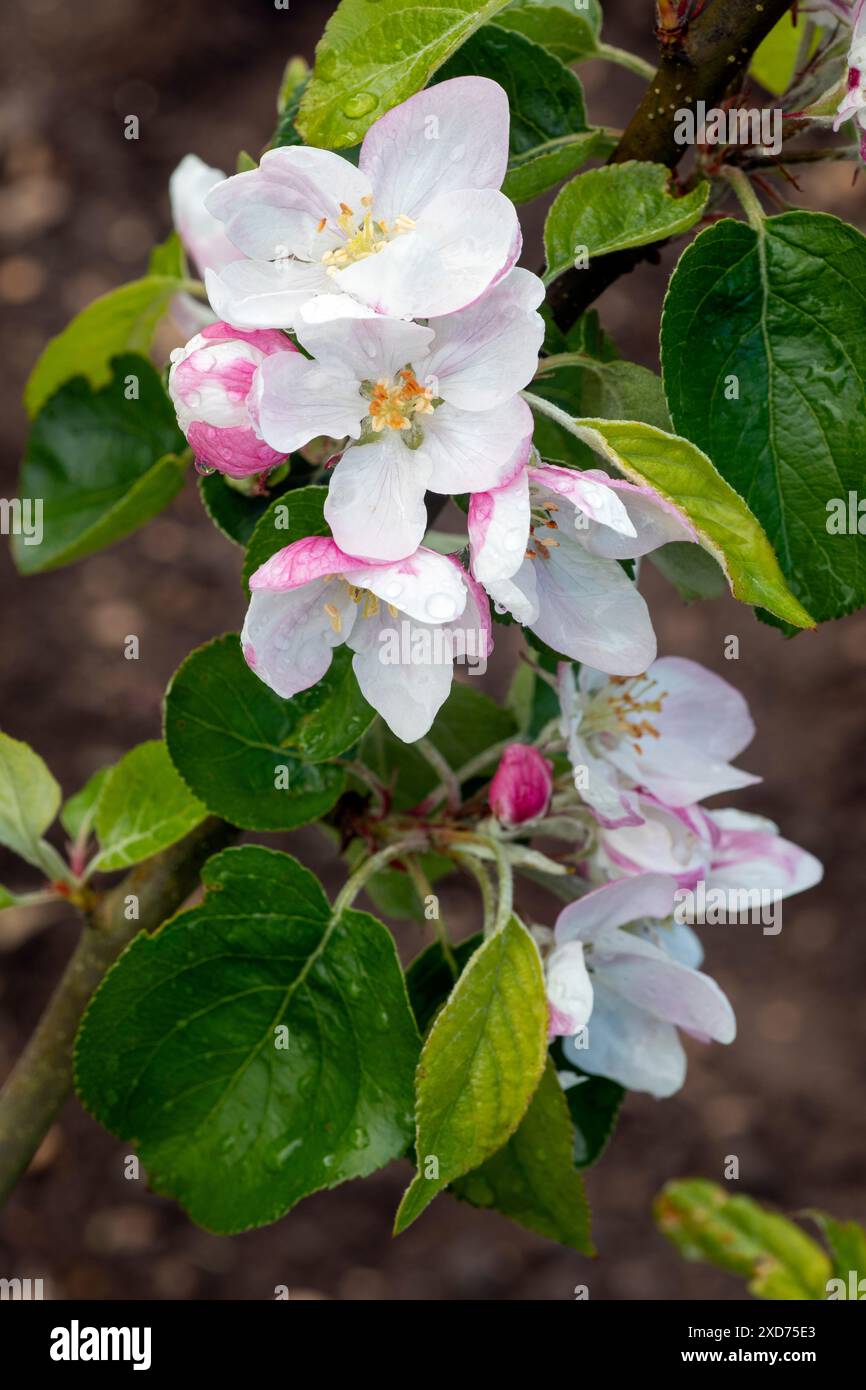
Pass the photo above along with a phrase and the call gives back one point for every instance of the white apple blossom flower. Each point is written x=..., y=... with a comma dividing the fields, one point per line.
x=670, y=731
x=432, y=407
x=545, y=546
x=418, y=229
x=202, y=235
x=853, y=103
x=310, y=597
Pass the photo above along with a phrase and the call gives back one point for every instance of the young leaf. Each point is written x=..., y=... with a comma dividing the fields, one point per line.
x=365, y=64
x=143, y=807
x=764, y=363
x=479, y=1067
x=29, y=800
x=570, y=34
x=734, y=1233
x=237, y=513
x=248, y=754
x=295, y=78
x=607, y=390
x=691, y=569
x=616, y=207
x=847, y=1242
x=78, y=812
x=532, y=1178
x=549, y=137
x=774, y=61
x=286, y=519
x=256, y=1048
x=7, y=899
x=121, y=321
x=682, y=473
x=103, y=463
x=167, y=259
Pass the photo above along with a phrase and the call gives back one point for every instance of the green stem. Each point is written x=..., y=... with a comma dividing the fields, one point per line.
x=42, y=1078
x=449, y=784
x=356, y=881
x=424, y=890
x=624, y=59
x=742, y=186
x=474, y=867
x=505, y=878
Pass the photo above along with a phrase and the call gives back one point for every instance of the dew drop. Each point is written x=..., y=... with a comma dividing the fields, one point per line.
x=360, y=1138
x=205, y=469
x=326, y=66
x=441, y=607
x=328, y=1161
x=359, y=104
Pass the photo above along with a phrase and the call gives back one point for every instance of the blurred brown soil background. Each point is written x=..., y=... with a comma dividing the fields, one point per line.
x=80, y=207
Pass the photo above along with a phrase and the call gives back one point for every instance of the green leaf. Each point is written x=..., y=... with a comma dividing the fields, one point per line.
x=847, y=1242
x=7, y=899
x=181, y=1050
x=764, y=363
x=429, y=979
x=774, y=61
x=683, y=474
x=235, y=743
x=548, y=136
x=29, y=800
x=237, y=513
x=369, y=60
x=292, y=88
x=616, y=207
x=594, y=1104
x=565, y=31
x=582, y=386
x=286, y=519
x=102, y=465
x=76, y=815
x=143, y=807
x=468, y=723
x=167, y=259
x=121, y=321
x=735, y=1234
x=691, y=569
x=479, y=1067
x=532, y=1179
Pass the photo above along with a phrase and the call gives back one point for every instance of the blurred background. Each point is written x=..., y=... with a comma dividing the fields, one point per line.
x=80, y=207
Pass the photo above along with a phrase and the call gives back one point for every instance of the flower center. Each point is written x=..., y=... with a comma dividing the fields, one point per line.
x=622, y=706
x=371, y=605
x=362, y=236
x=541, y=519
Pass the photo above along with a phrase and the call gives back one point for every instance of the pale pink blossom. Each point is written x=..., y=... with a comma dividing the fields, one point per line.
x=418, y=229
x=311, y=597
x=853, y=103
x=210, y=383
x=521, y=787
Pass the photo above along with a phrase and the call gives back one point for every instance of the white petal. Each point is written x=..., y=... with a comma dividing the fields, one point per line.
x=629, y=1046
x=476, y=450
x=592, y=612
x=409, y=693
x=202, y=234
x=448, y=138
x=365, y=348
x=288, y=638
x=499, y=529
x=569, y=988
x=488, y=351
x=425, y=586
x=459, y=248
x=615, y=905
x=294, y=400
x=264, y=294
x=517, y=595
x=375, y=503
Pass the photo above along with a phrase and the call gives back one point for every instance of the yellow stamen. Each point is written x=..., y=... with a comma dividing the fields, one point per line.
x=334, y=617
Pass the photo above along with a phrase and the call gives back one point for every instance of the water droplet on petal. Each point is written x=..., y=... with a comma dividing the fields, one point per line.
x=205, y=469
x=359, y=104
x=441, y=607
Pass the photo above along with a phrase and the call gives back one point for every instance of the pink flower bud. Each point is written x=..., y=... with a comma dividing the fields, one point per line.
x=210, y=383
x=521, y=787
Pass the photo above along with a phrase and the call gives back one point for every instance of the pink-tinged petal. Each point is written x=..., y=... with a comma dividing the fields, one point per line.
x=522, y=785
x=517, y=595
x=701, y=708
x=459, y=248
x=288, y=637
x=655, y=522
x=375, y=503
x=444, y=140
x=294, y=400
x=302, y=562
x=616, y=905
x=267, y=341
x=264, y=294
x=672, y=841
x=475, y=622
x=751, y=854
x=499, y=529
x=487, y=352
x=629, y=1046
x=235, y=450
x=678, y=773
x=593, y=499
x=202, y=234
x=591, y=612
x=425, y=586
x=648, y=979
x=276, y=210
x=365, y=349
x=408, y=692
x=569, y=989
x=476, y=450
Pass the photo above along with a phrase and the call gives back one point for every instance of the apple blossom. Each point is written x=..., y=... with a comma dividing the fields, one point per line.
x=522, y=785
x=853, y=102
x=418, y=229
x=642, y=990
x=210, y=384
x=310, y=597
x=202, y=234
x=670, y=732
x=545, y=545
x=432, y=407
